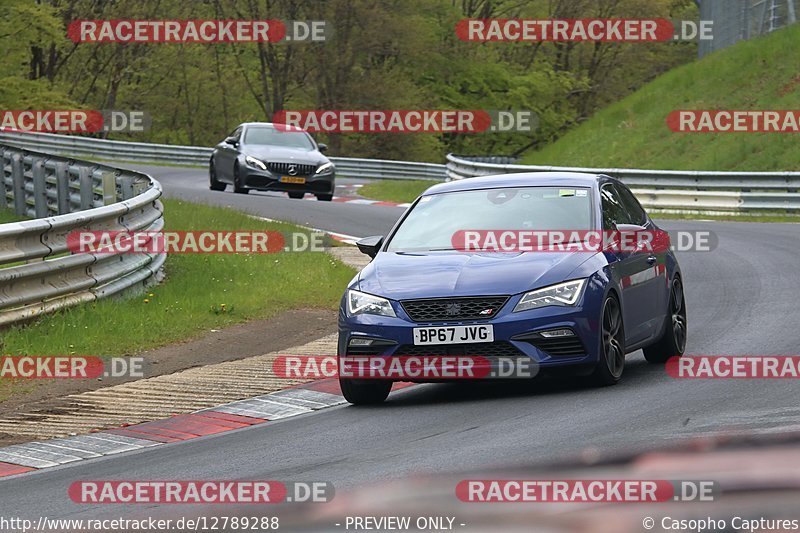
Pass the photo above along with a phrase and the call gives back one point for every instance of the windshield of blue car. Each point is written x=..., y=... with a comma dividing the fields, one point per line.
x=274, y=137
x=436, y=218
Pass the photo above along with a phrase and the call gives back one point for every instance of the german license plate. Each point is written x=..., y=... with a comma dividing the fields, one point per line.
x=292, y=179
x=453, y=334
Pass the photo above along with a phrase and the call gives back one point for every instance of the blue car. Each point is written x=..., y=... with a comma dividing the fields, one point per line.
x=575, y=309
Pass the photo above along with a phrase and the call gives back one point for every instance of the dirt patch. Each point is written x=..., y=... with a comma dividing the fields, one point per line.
x=790, y=87
x=233, y=343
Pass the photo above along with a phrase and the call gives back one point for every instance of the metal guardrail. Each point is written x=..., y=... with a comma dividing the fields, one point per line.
x=659, y=190
x=385, y=169
x=38, y=274
x=703, y=192
x=198, y=156
x=497, y=159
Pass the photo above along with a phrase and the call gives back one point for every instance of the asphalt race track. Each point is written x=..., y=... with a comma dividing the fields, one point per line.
x=350, y=219
x=741, y=298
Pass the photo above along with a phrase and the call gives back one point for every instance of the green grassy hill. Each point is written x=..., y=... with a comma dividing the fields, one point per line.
x=757, y=74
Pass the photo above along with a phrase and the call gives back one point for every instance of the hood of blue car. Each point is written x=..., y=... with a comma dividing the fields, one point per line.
x=405, y=275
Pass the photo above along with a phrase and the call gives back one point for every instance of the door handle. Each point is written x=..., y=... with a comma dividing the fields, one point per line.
x=651, y=259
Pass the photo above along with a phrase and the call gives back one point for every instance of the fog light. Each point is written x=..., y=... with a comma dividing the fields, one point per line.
x=361, y=342
x=557, y=333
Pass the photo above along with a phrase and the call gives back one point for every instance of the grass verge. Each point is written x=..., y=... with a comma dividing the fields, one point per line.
x=400, y=191
x=7, y=215
x=201, y=292
x=633, y=132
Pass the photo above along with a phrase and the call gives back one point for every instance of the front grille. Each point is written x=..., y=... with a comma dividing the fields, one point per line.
x=453, y=309
x=284, y=169
x=266, y=182
x=480, y=349
x=562, y=346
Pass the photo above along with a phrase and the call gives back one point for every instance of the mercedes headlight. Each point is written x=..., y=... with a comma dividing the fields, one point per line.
x=562, y=294
x=325, y=168
x=361, y=303
x=255, y=163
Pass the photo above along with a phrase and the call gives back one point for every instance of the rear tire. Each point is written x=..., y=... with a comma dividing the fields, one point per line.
x=213, y=184
x=296, y=195
x=324, y=197
x=612, y=345
x=369, y=392
x=673, y=341
x=237, y=186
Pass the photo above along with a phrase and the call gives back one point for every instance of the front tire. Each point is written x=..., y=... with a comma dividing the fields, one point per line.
x=612, y=345
x=673, y=341
x=369, y=392
x=237, y=186
x=213, y=184
x=296, y=195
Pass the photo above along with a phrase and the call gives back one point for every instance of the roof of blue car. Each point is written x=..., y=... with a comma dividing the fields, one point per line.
x=522, y=179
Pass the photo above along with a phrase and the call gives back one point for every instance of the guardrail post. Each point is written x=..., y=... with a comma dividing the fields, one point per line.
x=62, y=188
x=39, y=188
x=127, y=188
x=3, y=198
x=18, y=184
x=109, y=188
x=87, y=187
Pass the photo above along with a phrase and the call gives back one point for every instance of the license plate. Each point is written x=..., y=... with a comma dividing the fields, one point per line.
x=292, y=179
x=453, y=334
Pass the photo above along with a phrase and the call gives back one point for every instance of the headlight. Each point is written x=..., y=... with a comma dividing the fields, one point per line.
x=324, y=168
x=566, y=293
x=361, y=303
x=253, y=162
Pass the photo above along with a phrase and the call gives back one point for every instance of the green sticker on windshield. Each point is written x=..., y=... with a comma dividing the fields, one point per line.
x=566, y=192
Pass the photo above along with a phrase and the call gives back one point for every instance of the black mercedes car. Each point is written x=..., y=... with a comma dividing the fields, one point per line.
x=265, y=157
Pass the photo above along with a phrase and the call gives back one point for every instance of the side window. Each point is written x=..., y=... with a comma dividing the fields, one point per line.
x=237, y=134
x=613, y=210
x=631, y=205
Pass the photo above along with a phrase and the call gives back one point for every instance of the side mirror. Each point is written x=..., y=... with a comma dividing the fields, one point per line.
x=231, y=140
x=628, y=234
x=322, y=147
x=629, y=228
x=370, y=245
